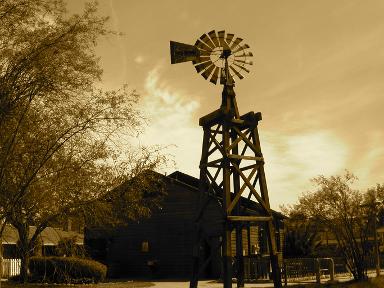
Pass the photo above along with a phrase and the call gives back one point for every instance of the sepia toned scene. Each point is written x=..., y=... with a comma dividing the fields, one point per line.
x=191, y=143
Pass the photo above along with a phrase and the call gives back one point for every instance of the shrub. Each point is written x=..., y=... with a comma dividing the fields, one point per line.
x=68, y=247
x=66, y=270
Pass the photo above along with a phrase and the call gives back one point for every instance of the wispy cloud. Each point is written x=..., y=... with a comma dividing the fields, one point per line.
x=291, y=160
x=170, y=114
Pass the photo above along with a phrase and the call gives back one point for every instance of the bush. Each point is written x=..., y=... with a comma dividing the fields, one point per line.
x=66, y=270
x=68, y=247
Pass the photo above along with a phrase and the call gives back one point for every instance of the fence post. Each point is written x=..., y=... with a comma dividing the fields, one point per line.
x=317, y=270
x=331, y=269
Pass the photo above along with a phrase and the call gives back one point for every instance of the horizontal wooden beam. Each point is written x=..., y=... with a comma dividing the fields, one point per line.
x=250, y=218
x=237, y=121
x=212, y=118
x=249, y=167
x=211, y=163
x=252, y=117
x=247, y=120
x=234, y=156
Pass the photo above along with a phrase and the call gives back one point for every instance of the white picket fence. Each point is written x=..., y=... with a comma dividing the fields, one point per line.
x=11, y=267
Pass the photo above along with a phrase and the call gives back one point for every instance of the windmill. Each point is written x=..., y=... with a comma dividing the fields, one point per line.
x=231, y=148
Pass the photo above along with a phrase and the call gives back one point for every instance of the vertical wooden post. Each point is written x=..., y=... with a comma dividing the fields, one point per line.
x=249, y=239
x=239, y=256
x=331, y=268
x=317, y=270
x=202, y=190
x=276, y=270
x=227, y=243
x=239, y=230
x=195, y=262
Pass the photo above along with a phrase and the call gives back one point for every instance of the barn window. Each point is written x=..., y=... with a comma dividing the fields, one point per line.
x=144, y=246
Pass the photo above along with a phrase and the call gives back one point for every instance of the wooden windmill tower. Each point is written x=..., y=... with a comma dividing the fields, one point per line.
x=231, y=163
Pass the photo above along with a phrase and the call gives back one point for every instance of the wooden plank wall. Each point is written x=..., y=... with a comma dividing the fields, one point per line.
x=254, y=237
x=169, y=234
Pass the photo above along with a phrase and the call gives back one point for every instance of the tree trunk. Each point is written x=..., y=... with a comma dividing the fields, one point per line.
x=24, y=250
x=24, y=267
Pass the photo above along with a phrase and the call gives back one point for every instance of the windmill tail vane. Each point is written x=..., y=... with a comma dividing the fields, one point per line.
x=215, y=55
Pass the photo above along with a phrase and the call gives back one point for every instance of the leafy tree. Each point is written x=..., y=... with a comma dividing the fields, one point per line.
x=64, y=143
x=45, y=53
x=344, y=211
x=300, y=241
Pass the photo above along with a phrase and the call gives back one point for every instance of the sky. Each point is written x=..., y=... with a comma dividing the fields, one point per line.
x=316, y=79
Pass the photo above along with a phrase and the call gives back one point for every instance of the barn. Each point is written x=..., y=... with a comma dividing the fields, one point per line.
x=161, y=246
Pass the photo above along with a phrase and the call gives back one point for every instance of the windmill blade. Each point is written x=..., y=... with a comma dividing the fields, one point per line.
x=213, y=36
x=200, y=67
x=229, y=38
x=181, y=52
x=202, y=46
x=204, y=56
x=222, y=39
x=215, y=75
x=245, y=46
x=244, y=61
x=201, y=59
x=206, y=40
x=205, y=53
x=236, y=72
x=242, y=67
x=236, y=42
x=208, y=71
x=245, y=54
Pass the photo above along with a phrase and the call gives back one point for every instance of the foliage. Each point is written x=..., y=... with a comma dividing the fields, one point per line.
x=345, y=212
x=66, y=270
x=37, y=42
x=300, y=241
x=64, y=142
x=67, y=247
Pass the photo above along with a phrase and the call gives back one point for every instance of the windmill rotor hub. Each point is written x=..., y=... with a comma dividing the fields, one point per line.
x=226, y=53
x=215, y=55
x=219, y=55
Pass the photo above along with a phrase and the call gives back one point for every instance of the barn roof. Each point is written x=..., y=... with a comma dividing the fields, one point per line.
x=193, y=183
